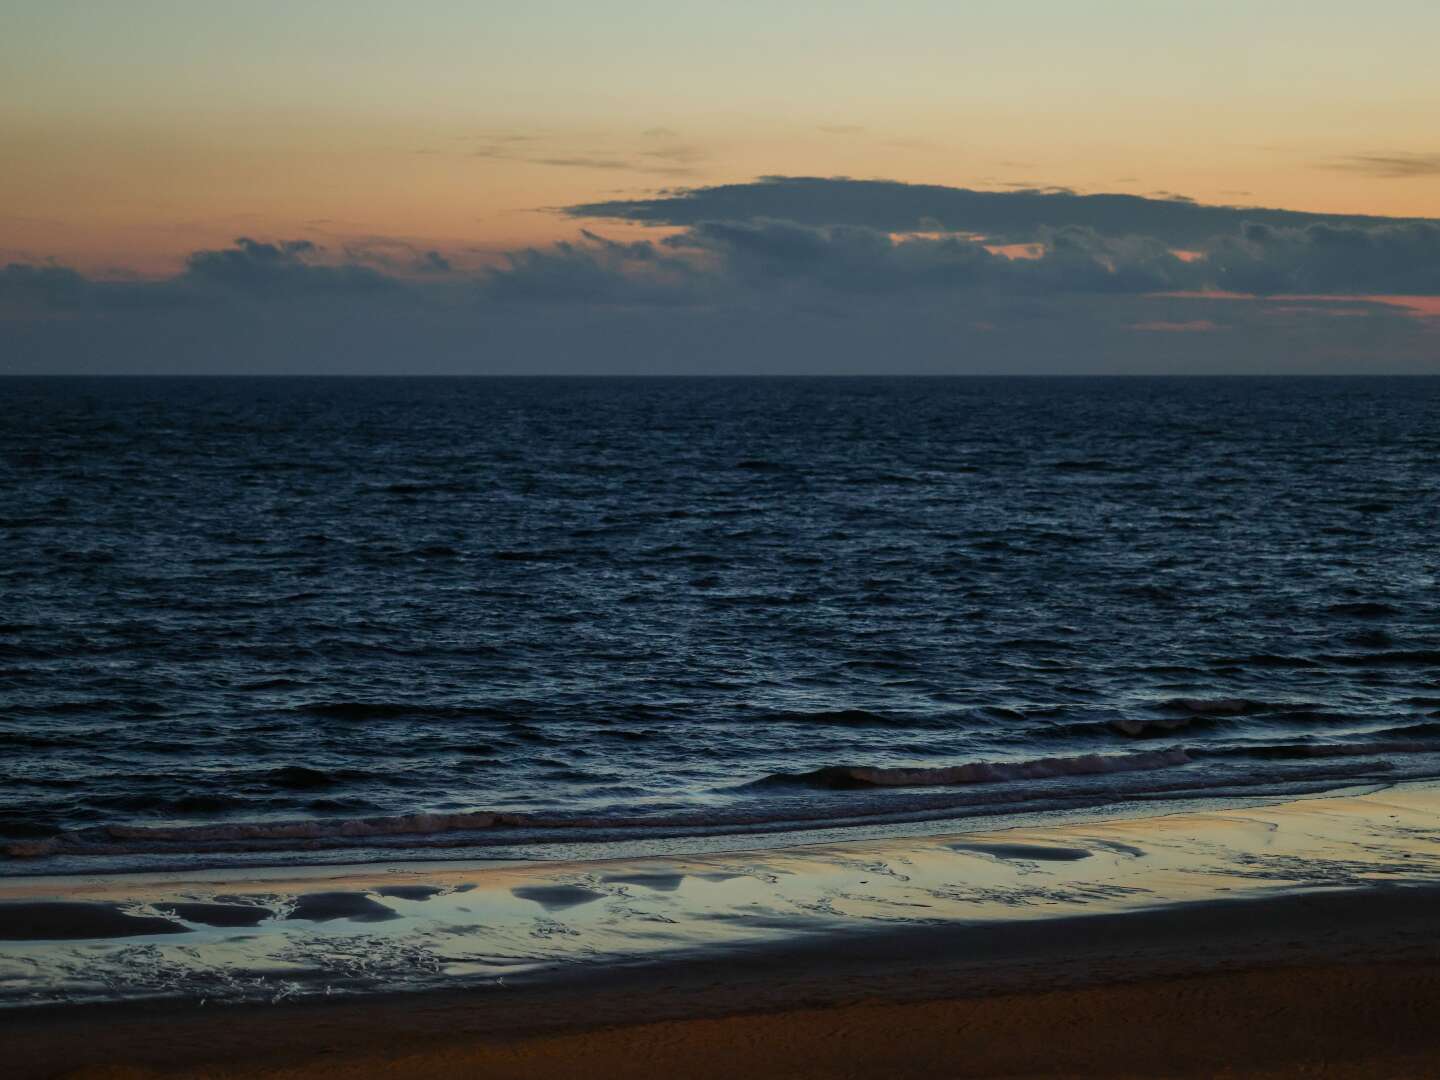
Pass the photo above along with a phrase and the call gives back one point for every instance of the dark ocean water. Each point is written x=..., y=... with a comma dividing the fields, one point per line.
x=264, y=616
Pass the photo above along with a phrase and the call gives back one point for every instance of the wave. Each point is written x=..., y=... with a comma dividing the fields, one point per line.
x=1364, y=610
x=1138, y=727
x=947, y=791
x=1266, y=660
x=1374, y=747
x=1392, y=658
x=1423, y=727
x=390, y=710
x=345, y=832
x=1085, y=465
x=845, y=718
x=299, y=778
x=1220, y=706
x=407, y=824
x=35, y=741
x=100, y=705
x=197, y=838
x=1187, y=713
x=978, y=772
x=545, y=555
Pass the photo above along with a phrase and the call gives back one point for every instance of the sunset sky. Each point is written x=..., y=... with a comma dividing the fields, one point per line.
x=436, y=140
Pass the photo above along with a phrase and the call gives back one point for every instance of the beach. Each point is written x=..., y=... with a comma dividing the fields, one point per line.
x=1264, y=940
x=875, y=726
x=719, y=541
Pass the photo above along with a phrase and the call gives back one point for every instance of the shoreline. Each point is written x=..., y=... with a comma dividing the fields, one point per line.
x=813, y=948
x=508, y=836
x=1329, y=984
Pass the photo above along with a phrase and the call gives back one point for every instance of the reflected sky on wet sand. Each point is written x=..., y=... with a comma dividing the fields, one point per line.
x=234, y=936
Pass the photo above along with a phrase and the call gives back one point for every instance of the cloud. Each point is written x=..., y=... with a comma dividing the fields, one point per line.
x=731, y=261
x=893, y=206
x=27, y=287
x=580, y=162
x=740, y=262
x=1399, y=166
x=842, y=257
x=390, y=255
x=753, y=295
x=290, y=269
x=850, y=259
x=290, y=273
x=736, y=262
x=678, y=153
x=1323, y=258
x=592, y=271
x=672, y=159
x=841, y=129
x=432, y=262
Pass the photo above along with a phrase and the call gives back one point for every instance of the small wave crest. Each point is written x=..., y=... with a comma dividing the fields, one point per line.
x=394, y=710
x=1370, y=748
x=858, y=718
x=263, y=833
x=1218, y=706
x=348, y=832
x=978, y=772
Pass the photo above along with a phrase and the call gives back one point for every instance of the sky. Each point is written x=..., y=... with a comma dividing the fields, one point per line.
x=635, y=187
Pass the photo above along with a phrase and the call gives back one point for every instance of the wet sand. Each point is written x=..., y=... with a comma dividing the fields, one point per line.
x=1302, y=936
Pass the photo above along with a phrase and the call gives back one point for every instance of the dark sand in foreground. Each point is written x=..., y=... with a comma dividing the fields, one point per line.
x=1337, y=975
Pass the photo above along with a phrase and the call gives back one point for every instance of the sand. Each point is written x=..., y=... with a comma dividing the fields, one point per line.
x=1297, y=939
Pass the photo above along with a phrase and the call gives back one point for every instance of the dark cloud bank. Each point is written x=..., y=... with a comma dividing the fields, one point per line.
x=782, y=276
x=1003, y=216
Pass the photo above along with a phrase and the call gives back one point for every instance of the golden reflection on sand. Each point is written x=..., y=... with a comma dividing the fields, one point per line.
x=280, y=934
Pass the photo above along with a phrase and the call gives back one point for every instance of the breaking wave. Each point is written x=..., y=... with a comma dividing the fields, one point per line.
x=828, y=797
x=979, y=772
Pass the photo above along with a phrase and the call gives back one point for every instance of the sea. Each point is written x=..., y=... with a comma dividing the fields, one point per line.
x=260, y=621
